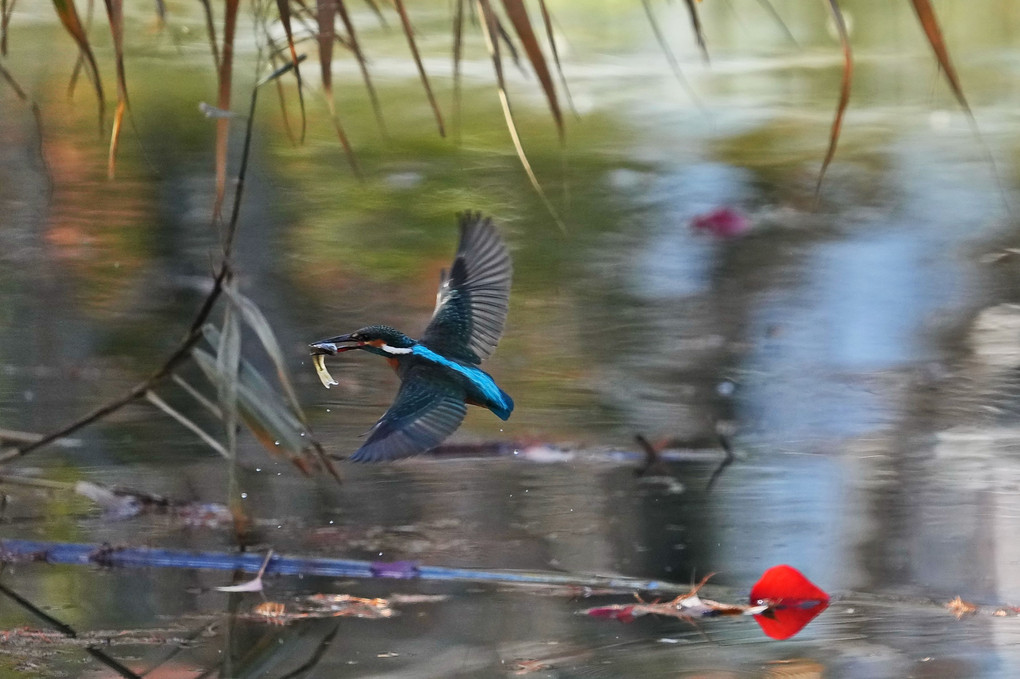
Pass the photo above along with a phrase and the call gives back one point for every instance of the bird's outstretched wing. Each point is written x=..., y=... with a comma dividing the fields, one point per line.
x=474, y=297
x=421, y=417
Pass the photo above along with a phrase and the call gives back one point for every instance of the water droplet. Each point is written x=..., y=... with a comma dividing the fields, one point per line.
x=258, y=469
x=244, y=496
x=276, y=443
x=331, y=522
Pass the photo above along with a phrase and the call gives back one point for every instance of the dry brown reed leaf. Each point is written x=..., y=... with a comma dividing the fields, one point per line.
x=72, y=23
x=844, y=90
x=405, y=22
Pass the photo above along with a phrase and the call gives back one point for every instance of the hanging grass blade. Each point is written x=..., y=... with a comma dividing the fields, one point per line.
x=281, y=95
x=699, y=33
x=161, y=13
x=283, y=7
x=281, y=71
x=225, y=79
x=6, y=9
x=547, y=20
x=405, y=21
x=671, y=59
x=352, y=37
x=187, y=423
x=228, y=363
x=210, y=29
x=518, y=16
x=18, y=90
x=929, y=22
x=374, y=6
x=488, y=24
x=844, y=92
x=115, y=15
x=275, y=426
x=72, y=23
x=257, y=321
x=325, y=14
x=458, y=50
x=509, y=42
x=768, y=7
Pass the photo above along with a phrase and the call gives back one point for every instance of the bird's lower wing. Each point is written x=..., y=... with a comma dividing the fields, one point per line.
x=421, y=417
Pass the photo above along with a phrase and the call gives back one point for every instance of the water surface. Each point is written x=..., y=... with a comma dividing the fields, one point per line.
x=856, y=349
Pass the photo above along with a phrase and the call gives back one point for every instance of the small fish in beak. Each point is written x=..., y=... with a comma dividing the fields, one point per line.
x=319, y=360
x=330, y=347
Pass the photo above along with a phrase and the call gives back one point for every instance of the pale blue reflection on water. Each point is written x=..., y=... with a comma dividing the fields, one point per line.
x=676, y=261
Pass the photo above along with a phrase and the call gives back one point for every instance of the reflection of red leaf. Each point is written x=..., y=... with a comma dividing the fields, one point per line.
x=793, y=601
x=724, y=222
x=621, y=613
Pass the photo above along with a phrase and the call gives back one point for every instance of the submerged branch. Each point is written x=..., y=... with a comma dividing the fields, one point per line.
x=143, y=557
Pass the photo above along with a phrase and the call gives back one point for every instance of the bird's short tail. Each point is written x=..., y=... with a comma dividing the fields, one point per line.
x=504, y=408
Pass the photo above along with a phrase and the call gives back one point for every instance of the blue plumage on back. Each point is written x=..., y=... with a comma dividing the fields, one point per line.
x=440, y=374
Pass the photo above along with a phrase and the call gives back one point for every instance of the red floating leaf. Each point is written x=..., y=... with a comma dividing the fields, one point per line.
x=793, y=601
x=724, y=222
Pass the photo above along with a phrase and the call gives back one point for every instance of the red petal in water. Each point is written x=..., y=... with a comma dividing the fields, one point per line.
x=724, y=222
x=621, y=613
x=793, y=601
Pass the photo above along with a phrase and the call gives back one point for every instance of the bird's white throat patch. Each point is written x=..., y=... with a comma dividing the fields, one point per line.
x=395, y=350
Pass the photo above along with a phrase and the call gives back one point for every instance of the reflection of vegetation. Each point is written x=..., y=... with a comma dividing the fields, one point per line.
x=433, y=191
x=277, y=422
x=360, y=249
x=507, y=31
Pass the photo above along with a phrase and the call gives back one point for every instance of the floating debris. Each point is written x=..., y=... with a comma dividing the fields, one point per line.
x=345, y=605
x=960, y=608
x=686, y=606
x=783, y=601
x=321, y=606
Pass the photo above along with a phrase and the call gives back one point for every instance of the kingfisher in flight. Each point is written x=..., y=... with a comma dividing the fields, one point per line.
x=439, y=373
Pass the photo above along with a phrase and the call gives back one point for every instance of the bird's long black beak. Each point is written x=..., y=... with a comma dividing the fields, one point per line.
x=333, y=345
